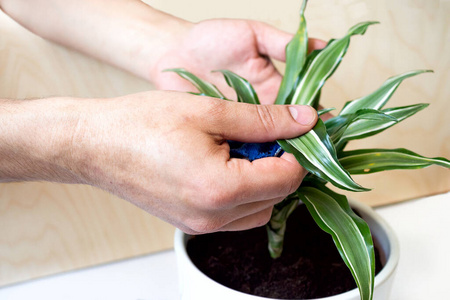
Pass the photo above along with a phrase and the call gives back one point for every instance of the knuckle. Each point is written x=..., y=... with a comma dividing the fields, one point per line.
x=264, y=217
x=218, y=193
x=219, y=198
x=215, y=108
x=205, y=224
x=266, y=117
x=292, y=186
x=210, y=194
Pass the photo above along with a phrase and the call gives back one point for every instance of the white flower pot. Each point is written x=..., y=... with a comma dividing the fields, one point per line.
x=194, y=285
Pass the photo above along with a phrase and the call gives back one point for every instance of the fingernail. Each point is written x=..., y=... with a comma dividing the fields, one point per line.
x=303, y=114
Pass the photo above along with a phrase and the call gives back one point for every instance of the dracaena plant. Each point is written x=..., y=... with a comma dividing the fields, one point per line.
x=322, y=150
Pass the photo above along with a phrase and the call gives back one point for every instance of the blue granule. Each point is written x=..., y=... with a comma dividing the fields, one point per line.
x=252, y=151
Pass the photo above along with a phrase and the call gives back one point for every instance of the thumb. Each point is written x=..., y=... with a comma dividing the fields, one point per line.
x=263, y=123
x=272, y=41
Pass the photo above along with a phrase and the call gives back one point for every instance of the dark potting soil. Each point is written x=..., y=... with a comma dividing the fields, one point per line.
x=310, y=266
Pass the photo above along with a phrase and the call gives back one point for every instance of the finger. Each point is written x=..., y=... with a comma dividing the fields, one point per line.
x=266, y=178
x=212, y=221
x=272, y=41
x=247, y=209
x=315, y=44
x=252, y=221
x=258, y=123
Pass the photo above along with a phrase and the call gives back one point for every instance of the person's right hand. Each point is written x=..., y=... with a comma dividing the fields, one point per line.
x=166, y=152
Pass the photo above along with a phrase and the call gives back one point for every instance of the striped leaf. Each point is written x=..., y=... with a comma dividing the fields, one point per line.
x=205, y=88
x=244, y=90
x=323, y=66
x=403, y=112
x=309, y=60
x=338, y=125
x=296, y=52
x=362, y=128
x=366, y=161
x=350, y=233
x=276, y=227
x=325, y=110
x=378, y=98
x=315, y=152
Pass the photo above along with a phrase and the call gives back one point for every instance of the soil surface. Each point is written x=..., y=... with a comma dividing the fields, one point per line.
x=310, y=266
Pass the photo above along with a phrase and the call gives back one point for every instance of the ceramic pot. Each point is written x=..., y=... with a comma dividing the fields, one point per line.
x=194, y=285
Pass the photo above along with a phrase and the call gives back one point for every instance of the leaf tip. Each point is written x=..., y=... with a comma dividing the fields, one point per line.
x=303, y=7
x=174, y=70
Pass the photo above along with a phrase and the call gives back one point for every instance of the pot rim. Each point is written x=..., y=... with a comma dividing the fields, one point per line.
x=369, y=214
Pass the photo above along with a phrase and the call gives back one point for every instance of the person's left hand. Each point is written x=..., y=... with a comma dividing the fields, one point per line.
x=241, y=46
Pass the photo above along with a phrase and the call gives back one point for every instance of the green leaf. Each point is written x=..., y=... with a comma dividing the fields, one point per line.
x=315, y=152
x=296, y=52
x=350, y=233
x=244, y=90
x=276, y=227
x=325, y=110
x=337, y=126
x=378, y=98
x=403, y=112
x=366, y=161
x=362, y=128
x=323, y=66
x=204, y=87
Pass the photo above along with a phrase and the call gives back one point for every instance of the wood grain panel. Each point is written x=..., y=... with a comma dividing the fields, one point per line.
x=413, y=34
x=47, y=228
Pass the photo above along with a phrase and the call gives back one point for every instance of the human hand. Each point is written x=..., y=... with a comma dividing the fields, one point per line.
x=166, y=152
x=147, y=41
x=241, y=46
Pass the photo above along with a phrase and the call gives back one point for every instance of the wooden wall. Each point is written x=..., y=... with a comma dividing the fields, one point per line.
x=48, y=228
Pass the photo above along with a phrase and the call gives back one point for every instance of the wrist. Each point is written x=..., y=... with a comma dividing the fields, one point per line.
x=35, y=140
x=141, y=35
x=156, y=37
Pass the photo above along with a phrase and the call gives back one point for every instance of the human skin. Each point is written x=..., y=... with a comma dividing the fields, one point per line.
x=165, y=152
x=136, y=37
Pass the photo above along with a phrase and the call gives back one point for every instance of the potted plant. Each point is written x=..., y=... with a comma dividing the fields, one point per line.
x=323, y=153
x=195, y=284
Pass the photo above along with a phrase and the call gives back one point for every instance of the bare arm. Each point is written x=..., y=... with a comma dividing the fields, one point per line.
x=163, y=151
x=171, y=160
x=125, y=33
x=35, y=138
x=144, y=41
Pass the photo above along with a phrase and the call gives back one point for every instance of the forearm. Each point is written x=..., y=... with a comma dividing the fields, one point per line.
x=35, y=138
x=126, y=33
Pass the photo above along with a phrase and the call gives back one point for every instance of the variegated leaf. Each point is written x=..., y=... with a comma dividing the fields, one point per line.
x=203, y=86
x=244, y=90
x=378, y=98
x=350, y=233
x=325, y=110
x=315, y=152
x=323, y=66
x=338, y=125
x=296, y=51
x=362, y=128
x=366, y=161
x=276, y=227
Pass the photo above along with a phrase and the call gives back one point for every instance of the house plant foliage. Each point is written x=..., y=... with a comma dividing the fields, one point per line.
x=323, y=152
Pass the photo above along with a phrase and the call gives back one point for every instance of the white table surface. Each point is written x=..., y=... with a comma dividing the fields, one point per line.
x=423, y=273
